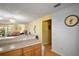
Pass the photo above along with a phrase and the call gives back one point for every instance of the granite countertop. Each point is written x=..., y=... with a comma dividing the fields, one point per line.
x=18, y=42
x=13, y=39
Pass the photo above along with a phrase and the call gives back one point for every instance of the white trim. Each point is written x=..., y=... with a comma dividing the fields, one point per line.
x=56, y=52
x=43, y=50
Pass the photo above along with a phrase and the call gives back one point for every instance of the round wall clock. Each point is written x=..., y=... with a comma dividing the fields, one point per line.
x=71, y=20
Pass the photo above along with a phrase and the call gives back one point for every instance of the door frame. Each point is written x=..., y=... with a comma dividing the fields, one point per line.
x=51, y=30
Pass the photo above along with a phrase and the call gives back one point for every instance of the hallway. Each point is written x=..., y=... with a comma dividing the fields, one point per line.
x=48, y=51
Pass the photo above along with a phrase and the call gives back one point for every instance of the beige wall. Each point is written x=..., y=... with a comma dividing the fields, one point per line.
x=38, y=24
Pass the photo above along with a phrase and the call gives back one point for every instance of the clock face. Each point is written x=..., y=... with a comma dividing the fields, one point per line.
x=71, y=20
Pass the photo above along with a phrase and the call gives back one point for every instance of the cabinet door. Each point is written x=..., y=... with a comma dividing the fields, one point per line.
x=37, y=52
x=12, y=53
x=28, y=51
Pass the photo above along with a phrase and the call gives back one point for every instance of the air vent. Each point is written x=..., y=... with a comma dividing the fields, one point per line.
x=57, y=5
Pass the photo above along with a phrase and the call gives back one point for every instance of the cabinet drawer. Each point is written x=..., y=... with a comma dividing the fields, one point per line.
x=37, y=46
x=27, y=49
x=12, y=53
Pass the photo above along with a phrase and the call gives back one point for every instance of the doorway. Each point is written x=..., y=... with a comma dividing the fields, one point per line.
x=46, y=32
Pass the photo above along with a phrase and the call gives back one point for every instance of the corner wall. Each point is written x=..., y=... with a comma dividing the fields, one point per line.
x=65, y=39
x=38, y=24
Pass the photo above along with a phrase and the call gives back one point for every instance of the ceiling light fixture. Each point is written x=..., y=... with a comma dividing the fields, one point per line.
x=12, y=20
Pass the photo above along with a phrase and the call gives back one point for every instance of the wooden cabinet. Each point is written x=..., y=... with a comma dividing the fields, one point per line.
x=34, y=50
x=28, y=51
x=12, y=53
x=37, y=50
x=37, y=46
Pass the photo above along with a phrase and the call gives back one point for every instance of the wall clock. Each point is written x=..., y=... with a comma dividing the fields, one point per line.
x=71, y=20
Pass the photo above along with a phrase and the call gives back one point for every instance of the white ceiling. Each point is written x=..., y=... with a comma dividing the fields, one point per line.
x=26, y=12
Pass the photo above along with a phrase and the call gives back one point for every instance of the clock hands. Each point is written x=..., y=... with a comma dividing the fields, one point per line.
x=70, y=21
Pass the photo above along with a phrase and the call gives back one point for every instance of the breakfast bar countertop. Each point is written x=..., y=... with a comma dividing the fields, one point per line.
x=19, y=44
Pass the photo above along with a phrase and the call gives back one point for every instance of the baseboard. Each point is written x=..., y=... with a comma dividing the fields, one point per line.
x=57, y=52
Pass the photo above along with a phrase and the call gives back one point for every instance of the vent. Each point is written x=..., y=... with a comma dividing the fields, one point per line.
x=57, y=5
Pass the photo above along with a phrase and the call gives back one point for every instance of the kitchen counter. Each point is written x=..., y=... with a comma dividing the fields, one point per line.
x=13, y=39
x=21, y=42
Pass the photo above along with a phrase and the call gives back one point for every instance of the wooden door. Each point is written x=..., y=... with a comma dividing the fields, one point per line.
x=45, y=32
x=49, y=32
